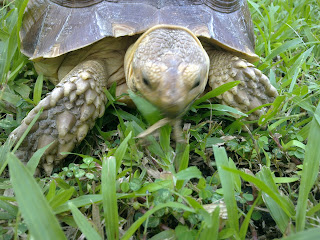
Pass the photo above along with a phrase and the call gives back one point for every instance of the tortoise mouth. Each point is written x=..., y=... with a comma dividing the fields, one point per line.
x=174, y=111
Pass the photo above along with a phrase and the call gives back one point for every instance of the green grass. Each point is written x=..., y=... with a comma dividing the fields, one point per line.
x=266, y=179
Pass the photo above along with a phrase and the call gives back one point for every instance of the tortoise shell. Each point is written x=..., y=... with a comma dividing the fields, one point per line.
x=54, y=27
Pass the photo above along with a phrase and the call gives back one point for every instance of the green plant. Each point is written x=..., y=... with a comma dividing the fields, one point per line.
x=229, y=178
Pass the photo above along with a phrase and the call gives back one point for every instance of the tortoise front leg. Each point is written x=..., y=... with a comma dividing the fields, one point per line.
x=69, y=111
x=254, y=89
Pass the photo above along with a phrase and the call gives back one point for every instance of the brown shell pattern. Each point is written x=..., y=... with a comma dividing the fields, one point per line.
x=53, y=27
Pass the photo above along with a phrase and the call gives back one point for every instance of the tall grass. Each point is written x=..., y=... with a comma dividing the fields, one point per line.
x=223, y=183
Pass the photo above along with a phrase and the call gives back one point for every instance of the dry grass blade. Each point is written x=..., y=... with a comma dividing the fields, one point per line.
x=154, y=127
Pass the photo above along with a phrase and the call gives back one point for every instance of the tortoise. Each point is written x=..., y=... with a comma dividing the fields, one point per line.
x=169, y=51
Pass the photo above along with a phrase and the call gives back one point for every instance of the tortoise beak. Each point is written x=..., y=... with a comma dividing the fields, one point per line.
x=173, y=94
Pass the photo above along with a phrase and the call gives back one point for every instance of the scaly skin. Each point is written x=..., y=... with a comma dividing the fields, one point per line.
x=69, y=111
x=170, y=68
x=167, y=65
x=254, y=89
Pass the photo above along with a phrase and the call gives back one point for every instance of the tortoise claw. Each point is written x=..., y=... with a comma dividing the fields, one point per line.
x=62, y=123
x=254, y=89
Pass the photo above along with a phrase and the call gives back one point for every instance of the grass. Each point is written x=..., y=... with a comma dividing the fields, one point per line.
x=265, y=180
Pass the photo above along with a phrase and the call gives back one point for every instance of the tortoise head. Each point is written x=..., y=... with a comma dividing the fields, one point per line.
x=169, y=67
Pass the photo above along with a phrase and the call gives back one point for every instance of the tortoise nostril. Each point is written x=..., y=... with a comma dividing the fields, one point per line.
x=146, y=82
x=196, y=84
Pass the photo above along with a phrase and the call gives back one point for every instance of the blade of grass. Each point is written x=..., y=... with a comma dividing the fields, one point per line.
x=313, y=233
x=111, y=101
x=34, y=207
x=79, y=202
x=21, y=4
x=211, y=232
x=149, y=111
x=11, y=209
x=84, y=224
x=27, y=130
x=296, y=67
x=272, y=111
x=310, y=169
x=164, y=138
x=226, y=179
x=52, y=190
x=222, y=108
x=246, y=221
x=15, y=71
x=182, y=157
x=278, y=215
x=155, y=146
x=5, y=95
x=10, y=53
x=236, y=177
x=4, y=35
x=182, y=160
x=167, y=234
x=4, y=149
x=109, y=197
x=188, y=173
x=216, y=92
x=121, y=150
x=146, y=215
x=61, y=198
x=35, y=159
x=284, y=47
x=155, y=186
x=11, y=47
x=283, y=203
x=38, y=89
x=256, y=7
x=313, y=210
